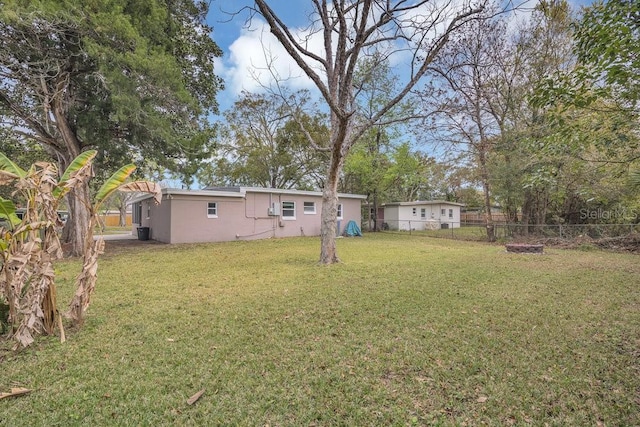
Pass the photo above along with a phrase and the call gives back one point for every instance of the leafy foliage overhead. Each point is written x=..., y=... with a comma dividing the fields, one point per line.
x=116, y=75
x=608, y=43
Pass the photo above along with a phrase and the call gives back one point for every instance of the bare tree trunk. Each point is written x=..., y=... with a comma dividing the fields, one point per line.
x=79, y=220
x=486, y=189
x=78, y=198
x=375, y=210
x=488, y=218
x=375, y=166
x=328, y=253
x=122, y=209
x=542, y=203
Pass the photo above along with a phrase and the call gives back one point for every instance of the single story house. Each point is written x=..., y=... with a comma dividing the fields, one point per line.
x=219, y=214
x=421, y=215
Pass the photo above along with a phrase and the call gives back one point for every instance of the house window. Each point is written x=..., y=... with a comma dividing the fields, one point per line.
x=212, y=210
x=423, y=213
x=339, y=211
x=443, y=212
x=288, y=210
x=415, y=211
x=450, y=213
x=309, y=207
x=148, y=210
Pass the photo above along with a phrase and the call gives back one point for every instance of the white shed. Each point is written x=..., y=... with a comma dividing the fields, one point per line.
x=422, y=215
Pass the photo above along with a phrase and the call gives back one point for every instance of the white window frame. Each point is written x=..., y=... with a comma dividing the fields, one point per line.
x=215, y=209
x=443, y=212
x=450, y=213
x=423, y=213
x=284, y=209
x=309, y=208
x=340, y=211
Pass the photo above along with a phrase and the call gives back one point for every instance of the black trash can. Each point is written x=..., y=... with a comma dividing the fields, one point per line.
x=143, y=233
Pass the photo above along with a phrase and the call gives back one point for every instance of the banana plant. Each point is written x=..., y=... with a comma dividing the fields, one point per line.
x=9, y=169
x=86, y=280
x=30, y=245
x=8, y=221
x=9, y=172
x=28, y=248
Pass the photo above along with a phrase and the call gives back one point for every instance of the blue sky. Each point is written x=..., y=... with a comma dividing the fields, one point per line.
x=244, y=56
x=244, y=60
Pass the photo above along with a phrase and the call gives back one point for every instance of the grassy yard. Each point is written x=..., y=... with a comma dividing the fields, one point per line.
x=112, y=230
x=406, y=331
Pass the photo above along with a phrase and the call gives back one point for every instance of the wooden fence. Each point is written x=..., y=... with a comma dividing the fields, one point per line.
x=112, y=219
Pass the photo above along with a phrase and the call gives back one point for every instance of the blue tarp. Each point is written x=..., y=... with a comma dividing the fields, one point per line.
x=352, y=229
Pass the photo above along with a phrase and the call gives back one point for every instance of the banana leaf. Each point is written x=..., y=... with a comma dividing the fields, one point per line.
x=111, y=185
x=8, y=212
x=144, y=187
x=79, y=163
x=10, y=167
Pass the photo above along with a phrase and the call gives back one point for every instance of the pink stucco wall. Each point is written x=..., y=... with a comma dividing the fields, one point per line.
x=182, y=217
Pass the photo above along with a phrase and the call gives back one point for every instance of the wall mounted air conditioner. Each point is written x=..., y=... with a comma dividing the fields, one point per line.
x=274, y=209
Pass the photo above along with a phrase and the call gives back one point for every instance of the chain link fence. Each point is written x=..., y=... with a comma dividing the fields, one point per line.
x=503, y=232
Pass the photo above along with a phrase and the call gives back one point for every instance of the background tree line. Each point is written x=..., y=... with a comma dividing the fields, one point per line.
x=536, y=117
x=536, y=113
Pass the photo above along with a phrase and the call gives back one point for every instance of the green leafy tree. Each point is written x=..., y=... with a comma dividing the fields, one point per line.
x=132, y=79
x=608, y=47
x=581, y=127
x=408, y=175
x=264, y=146
x=523, y=178
x=366, y=167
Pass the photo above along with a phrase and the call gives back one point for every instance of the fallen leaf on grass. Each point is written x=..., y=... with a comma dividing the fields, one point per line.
x=193, y=399
x=482, y=399
x=15, y=391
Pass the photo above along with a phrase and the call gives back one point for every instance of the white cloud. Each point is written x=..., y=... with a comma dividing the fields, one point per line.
x=256, y=58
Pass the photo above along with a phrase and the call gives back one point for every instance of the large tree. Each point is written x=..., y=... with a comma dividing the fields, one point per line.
x=608, y=45
x=351, y=30
x=561, y=150
x=467, y=118
x=262, y=145
x=131, y=78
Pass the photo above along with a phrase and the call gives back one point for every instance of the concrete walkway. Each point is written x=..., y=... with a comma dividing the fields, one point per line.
x=127, y=236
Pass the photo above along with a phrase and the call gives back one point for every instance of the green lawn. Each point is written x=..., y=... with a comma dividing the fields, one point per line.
x=406, y=331
x=112, y=230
